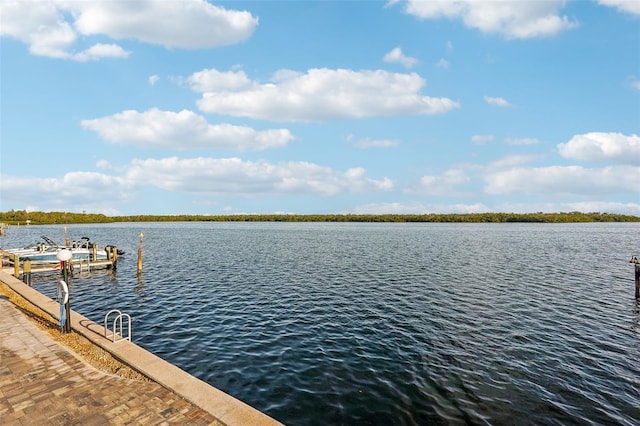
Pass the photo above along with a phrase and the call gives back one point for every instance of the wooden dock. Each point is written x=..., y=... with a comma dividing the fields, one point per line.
x=18, y=268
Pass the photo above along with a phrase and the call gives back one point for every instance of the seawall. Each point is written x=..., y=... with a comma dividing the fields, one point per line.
x=221, y=405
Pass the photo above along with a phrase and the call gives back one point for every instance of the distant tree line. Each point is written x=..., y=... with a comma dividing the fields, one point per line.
x=15, y=217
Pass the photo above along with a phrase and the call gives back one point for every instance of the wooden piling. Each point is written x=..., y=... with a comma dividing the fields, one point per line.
x=637, y=265
x=26, y=272
x=113, y=256
x=140, y=253
x=16, y=266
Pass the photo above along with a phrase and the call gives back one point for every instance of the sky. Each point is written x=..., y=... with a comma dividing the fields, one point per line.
x=172, y=107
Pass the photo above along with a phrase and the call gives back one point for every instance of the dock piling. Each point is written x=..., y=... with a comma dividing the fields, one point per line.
x=112, y=255
x=140, y=253
x=637, y=265
x=26, y=272
x=16, y=265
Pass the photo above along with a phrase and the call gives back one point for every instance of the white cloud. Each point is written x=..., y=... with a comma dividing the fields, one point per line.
x=500, y=102
x=82, y=190
x=99, y=192
x=396, y=55
x=182, y=130
x=418, y=208
x=99, y=51
x=445, y=185
x=428, y=208
x=627, y=6
x=210, y=80
x=581, y=206
x=512, y=161
x=634, y=83
x=235, y=177
x=562, y=181
x=482, y=139
x=320, y=94
x=153, y=79
x=38, y=24
x=513, y=19
x=165, y=22
x=53, y=28
x=601, y=147
x=521, y=141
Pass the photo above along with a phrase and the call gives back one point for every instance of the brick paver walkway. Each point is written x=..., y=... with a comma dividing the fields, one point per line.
x=43, y=383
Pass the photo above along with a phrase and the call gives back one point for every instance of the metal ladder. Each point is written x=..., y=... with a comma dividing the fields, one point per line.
x=113, y=334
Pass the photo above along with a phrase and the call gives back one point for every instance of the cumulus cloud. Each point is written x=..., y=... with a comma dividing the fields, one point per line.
x=626, y=6
x=562, y=181
x=233, y=176
x=396, y=55
x=164, y=22
x=318, y=94
x=101, y=192
x=54, y=28
x=512, y=19
x=601, y=147
x=182, y=130
x=38, y=24
x=99, y=51
x=153, y=79
x=500, y=102
x=85, y=191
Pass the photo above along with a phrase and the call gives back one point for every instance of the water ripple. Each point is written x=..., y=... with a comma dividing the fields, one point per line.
x=404, y=324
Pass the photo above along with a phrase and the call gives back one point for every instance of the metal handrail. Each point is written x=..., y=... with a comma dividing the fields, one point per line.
x=117, y=323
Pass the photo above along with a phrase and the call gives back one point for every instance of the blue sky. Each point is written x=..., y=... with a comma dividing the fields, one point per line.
x=196, y=107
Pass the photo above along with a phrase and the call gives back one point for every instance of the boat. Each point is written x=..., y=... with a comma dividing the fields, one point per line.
x=48, y=251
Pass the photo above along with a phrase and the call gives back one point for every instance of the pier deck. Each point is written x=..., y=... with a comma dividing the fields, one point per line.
x=9, y=262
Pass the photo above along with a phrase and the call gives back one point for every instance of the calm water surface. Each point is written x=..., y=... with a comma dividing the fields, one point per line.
x=356, y=324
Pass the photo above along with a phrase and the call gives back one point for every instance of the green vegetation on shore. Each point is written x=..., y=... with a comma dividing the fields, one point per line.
x=15, y=217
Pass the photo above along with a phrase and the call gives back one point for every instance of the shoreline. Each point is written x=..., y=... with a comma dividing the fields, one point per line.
x=20, y=218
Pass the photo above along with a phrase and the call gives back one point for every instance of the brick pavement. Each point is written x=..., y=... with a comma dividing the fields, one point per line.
x=44, y=383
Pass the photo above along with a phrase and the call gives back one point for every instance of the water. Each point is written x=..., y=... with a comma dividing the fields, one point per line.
x=357, y=324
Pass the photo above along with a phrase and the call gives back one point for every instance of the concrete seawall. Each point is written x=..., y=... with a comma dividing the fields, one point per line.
x=222, y=406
